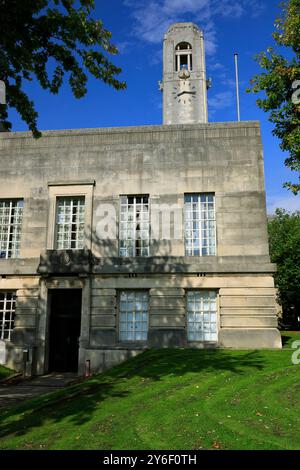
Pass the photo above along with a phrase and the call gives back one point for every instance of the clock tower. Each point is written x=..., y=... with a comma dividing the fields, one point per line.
x=184, y=75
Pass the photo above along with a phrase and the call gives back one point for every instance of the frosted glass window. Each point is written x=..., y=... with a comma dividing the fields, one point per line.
x=70, y=215
x=7, y=314
x=11, y=213
x=200, y=225
x=133, y=316
x=134, y=233
x=202, y=315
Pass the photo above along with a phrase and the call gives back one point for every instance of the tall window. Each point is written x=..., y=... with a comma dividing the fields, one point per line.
x=202, y=316
x=133, y=316
x=11, y=213
x=183, y=57
x=7, y=314
x=70, y=214
x=134, y=233
x=200, y=225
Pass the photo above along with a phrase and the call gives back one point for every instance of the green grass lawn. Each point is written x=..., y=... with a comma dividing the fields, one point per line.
x=170, y=399
x=4, y=372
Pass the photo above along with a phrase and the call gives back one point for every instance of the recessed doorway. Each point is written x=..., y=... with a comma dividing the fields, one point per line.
x=64, y=329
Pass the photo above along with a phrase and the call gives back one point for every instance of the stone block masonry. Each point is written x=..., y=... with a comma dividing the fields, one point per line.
x=165, y=163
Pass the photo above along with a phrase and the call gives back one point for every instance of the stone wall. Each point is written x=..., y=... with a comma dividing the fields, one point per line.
x=224, y=158
x=246, y=313
x=165, y=162
x=24, y=335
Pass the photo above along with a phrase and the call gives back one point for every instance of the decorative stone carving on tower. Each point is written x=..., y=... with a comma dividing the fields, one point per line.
x=184, y=75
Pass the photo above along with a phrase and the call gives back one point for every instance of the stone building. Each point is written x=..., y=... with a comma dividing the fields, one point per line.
x=120, y=239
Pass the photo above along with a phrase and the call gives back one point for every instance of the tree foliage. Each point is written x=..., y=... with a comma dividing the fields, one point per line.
x=281, y=84
x=284, y=239
x=34, y=35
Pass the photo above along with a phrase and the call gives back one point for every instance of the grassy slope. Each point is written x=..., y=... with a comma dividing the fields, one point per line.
x=4, y=372
x=169, y=399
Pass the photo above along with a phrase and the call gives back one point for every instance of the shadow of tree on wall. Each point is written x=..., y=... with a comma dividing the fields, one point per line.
x=102, y=260
x=79, y=403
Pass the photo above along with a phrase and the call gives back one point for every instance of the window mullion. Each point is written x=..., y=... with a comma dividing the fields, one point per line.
x=134, y=317
x=11, y=228
x=71, y=224
x=3, y=319
x=200, y=225
x=4, y=313
x=127, y=228
x=134, y=224
x=149, y=225
x=215, y=229
x=8, y=229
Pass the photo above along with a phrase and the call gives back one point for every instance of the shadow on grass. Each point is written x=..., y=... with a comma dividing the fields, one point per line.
x=79, y=402
x=156, y=364
x=5, y=373
x=285, y=340
x=288, y=337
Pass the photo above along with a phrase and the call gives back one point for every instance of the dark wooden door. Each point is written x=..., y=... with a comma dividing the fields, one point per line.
x=64, y=333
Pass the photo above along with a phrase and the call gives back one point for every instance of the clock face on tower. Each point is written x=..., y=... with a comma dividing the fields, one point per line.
x=184, y=92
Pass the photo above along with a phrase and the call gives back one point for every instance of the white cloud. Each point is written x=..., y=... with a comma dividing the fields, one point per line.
x=156, y=57
x=231, y=83
x=231, y=8
x=215, y=66
x=219, y=101
x=188, y=6
x=290, y=203
x=153, y=17
x=123, y=46
x=228, y=82
x=258, y=8
x=210, y=38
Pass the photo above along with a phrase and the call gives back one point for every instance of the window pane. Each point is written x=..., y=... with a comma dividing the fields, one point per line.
x=133, y=316
x=70, y=213
x=11, y=213
x=200, y=225
x=7, y=314
x=134, y=235
x=201, y=316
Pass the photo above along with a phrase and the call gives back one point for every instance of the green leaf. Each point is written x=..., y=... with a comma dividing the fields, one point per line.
x=276, y=85
x=33, y=34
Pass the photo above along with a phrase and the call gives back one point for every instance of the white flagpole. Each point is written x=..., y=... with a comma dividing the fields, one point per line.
x=237, y=86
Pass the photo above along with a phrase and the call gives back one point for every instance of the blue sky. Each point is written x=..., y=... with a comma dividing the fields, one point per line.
x=243, y=26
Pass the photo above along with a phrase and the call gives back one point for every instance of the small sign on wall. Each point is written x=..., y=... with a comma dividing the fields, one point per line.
x=2, y=352
x=2, y=93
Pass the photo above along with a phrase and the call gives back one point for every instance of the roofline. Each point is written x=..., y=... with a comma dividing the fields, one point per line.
x=184, y=24
x=135, y=129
